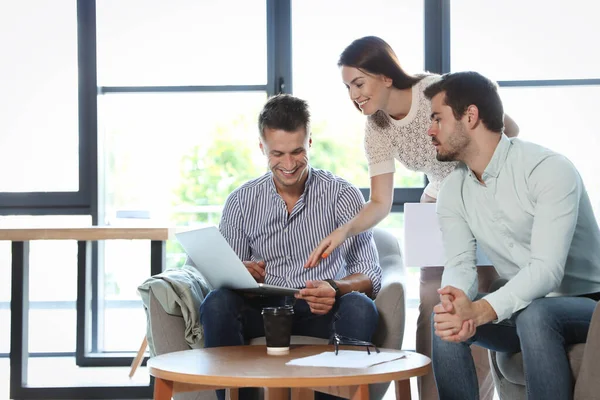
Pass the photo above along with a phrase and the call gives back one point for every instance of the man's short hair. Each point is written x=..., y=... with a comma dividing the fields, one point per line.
x=284, y=112
x=463, y=89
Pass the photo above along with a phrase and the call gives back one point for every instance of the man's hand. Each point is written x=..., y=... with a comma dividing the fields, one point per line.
x=462, y=305
x=257, y=270
x=454, y=316
x=319, y=295
x=446, y=303
x=466, y=331
x=326, y=246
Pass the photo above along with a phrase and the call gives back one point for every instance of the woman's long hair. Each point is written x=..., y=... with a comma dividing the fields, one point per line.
x=373, y=55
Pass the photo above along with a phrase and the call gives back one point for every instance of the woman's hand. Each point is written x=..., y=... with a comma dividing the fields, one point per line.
x=326, y=246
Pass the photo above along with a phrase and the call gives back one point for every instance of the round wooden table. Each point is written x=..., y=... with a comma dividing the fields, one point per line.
x=250, y=366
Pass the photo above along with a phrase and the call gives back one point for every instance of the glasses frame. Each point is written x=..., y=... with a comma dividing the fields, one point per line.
x=339, y=340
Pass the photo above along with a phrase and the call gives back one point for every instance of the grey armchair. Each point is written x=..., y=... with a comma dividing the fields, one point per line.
x=168, y=330
x=509, y=378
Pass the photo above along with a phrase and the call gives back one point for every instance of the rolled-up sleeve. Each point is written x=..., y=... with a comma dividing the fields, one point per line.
x=360, y=250
x=556, y=188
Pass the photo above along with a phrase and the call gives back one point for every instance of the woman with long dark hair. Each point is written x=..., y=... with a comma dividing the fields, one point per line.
x=398, y=117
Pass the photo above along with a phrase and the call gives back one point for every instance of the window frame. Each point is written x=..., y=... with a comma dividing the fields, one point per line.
x=81, y=202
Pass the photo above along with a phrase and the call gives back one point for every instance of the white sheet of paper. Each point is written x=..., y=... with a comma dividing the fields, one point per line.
x=347, y=359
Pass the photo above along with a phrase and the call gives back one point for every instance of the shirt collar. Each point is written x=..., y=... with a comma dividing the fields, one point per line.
x=498, y=159
x=308, y=182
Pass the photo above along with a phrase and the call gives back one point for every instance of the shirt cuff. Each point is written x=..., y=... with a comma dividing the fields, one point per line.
x=501, y=305
x=432, y=189
x=383, y=167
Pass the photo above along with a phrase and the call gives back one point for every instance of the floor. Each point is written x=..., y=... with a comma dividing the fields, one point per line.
x=64, y=373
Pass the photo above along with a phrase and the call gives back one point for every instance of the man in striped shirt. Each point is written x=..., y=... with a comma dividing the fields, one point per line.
x=273, y=222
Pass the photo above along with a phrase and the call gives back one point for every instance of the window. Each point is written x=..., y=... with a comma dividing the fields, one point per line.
x=52, y=285
x=337, y=127
x=39, y=105
x=531, y=40
x=548, y=76
x=180, y=90
x=536, y=109
x=165, y=150
x=172, y=163
x=188, y=42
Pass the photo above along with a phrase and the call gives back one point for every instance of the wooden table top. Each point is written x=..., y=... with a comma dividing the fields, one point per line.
x=87, y=233
x=250, y=365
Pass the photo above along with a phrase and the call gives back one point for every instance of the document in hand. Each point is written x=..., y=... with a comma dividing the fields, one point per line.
x=347, y=359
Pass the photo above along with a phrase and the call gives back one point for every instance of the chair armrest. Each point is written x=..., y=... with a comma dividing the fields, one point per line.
x=588, y=385
x=390, y=300
x=167, y=332
x=390, y=303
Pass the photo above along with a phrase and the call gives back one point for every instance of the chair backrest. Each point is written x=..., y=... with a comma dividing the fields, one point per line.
x=388, y=249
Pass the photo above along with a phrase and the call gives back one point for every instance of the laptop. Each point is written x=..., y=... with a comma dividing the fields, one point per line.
x=220, y=265
x=423, y=245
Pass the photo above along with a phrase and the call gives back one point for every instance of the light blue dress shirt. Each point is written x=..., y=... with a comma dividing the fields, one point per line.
x=532, y=218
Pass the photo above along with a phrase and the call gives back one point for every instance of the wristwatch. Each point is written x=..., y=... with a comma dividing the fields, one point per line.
x=335, y=287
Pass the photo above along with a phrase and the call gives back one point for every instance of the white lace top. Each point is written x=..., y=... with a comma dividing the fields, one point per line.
x=387, y=139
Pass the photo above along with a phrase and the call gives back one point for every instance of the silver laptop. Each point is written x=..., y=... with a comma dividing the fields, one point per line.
x=220, y=265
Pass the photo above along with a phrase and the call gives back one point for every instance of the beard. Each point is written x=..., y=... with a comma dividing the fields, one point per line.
x=446, y=156
x=456, y=143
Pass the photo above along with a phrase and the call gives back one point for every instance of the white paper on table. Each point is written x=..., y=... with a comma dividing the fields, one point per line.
x=347, y=359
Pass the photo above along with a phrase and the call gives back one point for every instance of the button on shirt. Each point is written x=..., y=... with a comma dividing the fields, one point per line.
x=533, y=219
x=257, y=225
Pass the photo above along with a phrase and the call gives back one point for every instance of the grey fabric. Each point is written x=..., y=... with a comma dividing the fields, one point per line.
x=509, y=378
x=587, y=386
x=169, y=336
x=505, y=389
x=511, y=364
x=180, y=292
x=167, y=330
x=390, y=300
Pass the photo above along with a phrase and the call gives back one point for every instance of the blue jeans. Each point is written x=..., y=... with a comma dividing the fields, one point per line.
x=541, y=332
x=231, y=319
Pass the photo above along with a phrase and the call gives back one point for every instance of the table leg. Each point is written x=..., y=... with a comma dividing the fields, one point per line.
x=163, y=390
x=303, y=394
x=361, y=393
x=234, y=393
x=403, y=389
x=277, y=393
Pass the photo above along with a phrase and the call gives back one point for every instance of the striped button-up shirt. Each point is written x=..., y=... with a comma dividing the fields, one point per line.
x=257, y=225
x=532, y=218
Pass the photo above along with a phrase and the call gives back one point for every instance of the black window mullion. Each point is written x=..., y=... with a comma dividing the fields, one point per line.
x=437, y=36
x=279, y=47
